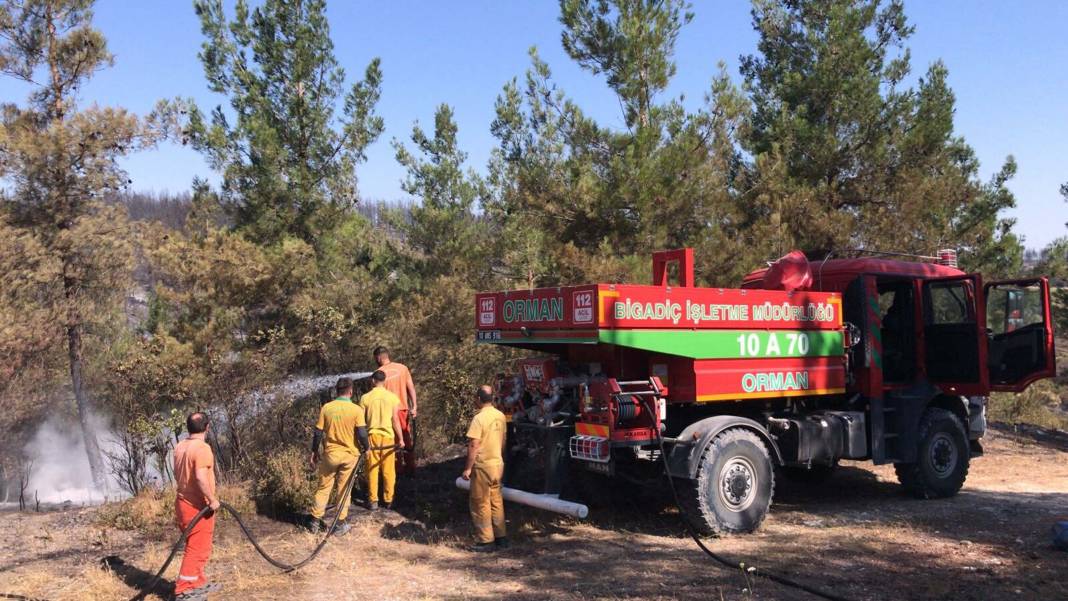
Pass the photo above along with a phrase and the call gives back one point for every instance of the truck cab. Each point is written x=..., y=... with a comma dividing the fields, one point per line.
x=930, y=333
x=938, y=323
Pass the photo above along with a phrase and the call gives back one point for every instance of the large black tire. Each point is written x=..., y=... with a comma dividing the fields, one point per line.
x=734, y=485
x=942, y=458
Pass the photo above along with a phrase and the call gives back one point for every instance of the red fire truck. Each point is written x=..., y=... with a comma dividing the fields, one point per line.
x=802, y=366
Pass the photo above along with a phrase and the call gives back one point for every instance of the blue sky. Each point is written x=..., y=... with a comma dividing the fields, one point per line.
x=1006, y=63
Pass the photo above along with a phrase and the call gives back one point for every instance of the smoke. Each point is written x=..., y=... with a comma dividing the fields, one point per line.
x=60, y=469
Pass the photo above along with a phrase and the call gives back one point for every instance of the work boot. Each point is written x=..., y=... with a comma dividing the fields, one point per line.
x=387, y=505
x=372, y=506
x=200, y=593
x=316, y=526
x=503, y=543
x=342, y=528
x=483, y=548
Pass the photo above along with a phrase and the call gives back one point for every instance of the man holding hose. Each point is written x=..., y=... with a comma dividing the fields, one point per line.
x=399, y=382
x=340, y=428
x=194, y=478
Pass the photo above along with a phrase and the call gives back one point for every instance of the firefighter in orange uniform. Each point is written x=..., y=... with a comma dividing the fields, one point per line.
x=485, y=468
x=194, y=477
x=399, y=382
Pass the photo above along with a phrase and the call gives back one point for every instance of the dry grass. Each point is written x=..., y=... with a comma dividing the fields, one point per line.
x=90, y=583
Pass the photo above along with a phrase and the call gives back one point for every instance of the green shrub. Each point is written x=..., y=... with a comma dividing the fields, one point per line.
x=284, y=485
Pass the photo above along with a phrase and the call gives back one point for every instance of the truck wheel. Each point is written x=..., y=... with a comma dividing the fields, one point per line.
x=941, y=460
x=734, y=485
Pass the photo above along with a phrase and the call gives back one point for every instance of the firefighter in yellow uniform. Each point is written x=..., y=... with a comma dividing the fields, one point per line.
x=382, y=411
x=340, y=428
x=485, y=468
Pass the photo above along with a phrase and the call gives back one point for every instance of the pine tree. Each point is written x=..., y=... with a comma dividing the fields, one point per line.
x=288, y=163
x=442, y=228
x=1053, y=263
x=847, y=156
x=586, y=201
x=58, y=161
x=631, y=41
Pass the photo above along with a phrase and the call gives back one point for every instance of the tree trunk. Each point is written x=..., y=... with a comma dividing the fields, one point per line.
x=92, y=447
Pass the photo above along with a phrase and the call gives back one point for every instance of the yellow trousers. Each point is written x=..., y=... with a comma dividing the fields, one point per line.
x=487, y=506
x=335, y=467
x=381, y=463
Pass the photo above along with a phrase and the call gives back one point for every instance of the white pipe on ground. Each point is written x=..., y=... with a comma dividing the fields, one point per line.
x=547, y=502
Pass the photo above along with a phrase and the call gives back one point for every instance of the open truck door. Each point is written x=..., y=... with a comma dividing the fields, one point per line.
x=1020, y=333
x=953, y=334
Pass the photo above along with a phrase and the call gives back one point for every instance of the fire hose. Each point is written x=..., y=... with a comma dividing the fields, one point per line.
x=772, y=576
x=412, y=427
x=412, y=423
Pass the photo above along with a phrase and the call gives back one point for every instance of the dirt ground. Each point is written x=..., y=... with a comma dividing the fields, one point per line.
x=857, y=536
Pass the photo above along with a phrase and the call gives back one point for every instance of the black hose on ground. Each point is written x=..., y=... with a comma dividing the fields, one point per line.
x=719, y=558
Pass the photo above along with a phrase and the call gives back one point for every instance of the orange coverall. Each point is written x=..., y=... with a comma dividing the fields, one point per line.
x=190, y=455
x=398, y=378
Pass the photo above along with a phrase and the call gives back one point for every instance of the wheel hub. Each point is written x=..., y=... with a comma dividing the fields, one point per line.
x=737, y=483
x=942, y=454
